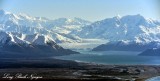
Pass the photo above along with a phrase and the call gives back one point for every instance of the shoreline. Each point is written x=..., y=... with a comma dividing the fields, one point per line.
x=65, y=69
x=78, y=61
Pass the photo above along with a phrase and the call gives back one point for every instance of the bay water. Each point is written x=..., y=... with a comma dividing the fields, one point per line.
x=112, y=57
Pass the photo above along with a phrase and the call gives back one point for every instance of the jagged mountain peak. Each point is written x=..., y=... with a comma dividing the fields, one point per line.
x=18, y=38
x=128, y=19
x=42, y=40
x=117, y=17
x=20, y=16
x=27, y=20
x=24, y=16
x=9, y=38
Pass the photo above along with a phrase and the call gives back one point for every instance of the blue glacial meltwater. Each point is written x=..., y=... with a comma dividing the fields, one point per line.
x=113, y=57
x=154, y=79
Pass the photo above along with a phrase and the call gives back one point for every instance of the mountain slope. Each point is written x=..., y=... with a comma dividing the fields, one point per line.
x=29, y=46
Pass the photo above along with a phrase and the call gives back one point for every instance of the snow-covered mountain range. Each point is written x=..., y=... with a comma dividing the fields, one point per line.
x=22, y=45
x=130, y=27
x=127, y=33
x=130, y=31
x=56, y=29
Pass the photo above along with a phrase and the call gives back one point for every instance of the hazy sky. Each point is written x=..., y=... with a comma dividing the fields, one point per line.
x=87, y=9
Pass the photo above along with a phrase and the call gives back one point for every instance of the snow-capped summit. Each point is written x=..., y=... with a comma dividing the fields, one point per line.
x=42, y=40
x=67, y=21
x=18, y=38
x=66, y=25
x=10, y=19
x=134, y=20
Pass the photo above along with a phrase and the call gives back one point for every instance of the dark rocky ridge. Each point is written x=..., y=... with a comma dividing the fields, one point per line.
x=21, y=46
x=18, y=51
x=120, y=46
x=151, y=52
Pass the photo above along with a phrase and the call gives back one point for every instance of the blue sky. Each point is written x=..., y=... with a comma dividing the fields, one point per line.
x=87, y=9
